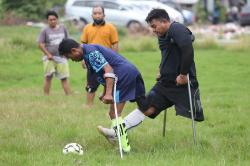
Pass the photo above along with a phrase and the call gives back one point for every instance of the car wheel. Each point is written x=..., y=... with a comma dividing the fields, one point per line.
x=134, y=26
x=80, y=24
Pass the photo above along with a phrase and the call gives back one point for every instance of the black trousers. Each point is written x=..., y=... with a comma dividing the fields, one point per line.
x=166, y=94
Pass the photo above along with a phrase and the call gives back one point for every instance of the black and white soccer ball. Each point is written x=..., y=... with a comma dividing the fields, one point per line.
x=73, y=148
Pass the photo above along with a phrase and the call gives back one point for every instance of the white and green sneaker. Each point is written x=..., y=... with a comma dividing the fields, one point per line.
x=124, y=137
x=109, y=134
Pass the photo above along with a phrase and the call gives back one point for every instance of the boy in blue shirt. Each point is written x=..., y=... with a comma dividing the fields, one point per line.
x=106, y=63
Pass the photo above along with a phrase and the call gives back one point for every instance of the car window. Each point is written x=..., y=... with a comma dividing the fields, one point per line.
x=246, y=9
x=79, y=3
x=87, y=3
x=110, y=5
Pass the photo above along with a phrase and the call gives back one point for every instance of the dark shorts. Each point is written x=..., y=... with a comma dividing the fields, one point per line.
x=130, y=90
x=165, y=95
x=92, y=83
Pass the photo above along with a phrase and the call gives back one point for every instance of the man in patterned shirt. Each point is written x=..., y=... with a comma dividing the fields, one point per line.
x=106, y=63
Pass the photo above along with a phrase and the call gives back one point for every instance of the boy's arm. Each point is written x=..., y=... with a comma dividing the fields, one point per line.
x=41, y=44
x=45, y=51
x=108, y=97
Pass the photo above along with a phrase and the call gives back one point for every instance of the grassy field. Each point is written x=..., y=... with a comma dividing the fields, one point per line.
x=34, y=128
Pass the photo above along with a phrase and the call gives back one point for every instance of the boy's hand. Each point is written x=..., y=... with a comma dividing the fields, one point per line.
x=107, y=99
x=50, y=57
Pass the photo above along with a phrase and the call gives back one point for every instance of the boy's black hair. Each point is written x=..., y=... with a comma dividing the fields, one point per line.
x=66, y=45
x=157, y=14
x=51, y=13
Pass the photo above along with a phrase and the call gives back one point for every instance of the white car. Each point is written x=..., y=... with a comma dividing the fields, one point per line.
x=119, y=12
x=146, y=6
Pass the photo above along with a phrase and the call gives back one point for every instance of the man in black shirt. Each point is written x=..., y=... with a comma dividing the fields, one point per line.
x=175, y=42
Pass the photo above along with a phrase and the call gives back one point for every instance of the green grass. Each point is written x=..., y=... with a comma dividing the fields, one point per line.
x=34, y=128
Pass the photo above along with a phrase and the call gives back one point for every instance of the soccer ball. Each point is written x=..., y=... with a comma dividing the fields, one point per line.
x=73, y=148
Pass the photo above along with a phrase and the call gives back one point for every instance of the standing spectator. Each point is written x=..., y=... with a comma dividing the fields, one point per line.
x=216, y=15
x=49, y=40
x=102, y=33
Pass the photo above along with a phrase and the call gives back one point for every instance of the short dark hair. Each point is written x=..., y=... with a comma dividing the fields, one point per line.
x=51, y=13
x=100, y=7
x=157, y=14
x=66, y=45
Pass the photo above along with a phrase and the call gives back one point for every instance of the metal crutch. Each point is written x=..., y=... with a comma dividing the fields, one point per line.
x=191, y=109
x=164, y=123
x=116, y=117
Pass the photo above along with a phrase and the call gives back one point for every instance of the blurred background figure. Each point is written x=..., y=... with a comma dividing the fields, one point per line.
x=216, y=15
x=48, y=41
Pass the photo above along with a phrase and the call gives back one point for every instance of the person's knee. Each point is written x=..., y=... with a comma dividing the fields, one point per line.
x=48, y=78
x=64, y=80
x=144, y=102
x=90, y=89
x=153, y=115
x=111, y=114
x=151, y=112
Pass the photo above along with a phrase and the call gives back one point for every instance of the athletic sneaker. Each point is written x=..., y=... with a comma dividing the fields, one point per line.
x=124, y=138
x=109, y=134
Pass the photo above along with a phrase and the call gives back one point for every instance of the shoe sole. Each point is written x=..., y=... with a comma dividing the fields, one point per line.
x=112, y=142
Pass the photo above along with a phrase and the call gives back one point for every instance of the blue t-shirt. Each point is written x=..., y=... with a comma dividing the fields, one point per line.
x=96, y=57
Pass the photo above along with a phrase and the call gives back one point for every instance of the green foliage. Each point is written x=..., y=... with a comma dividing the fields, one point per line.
x=138, y=43
x=1, y=10
x=34, y=9
x=201, y=13
x=208, y=43
x=122, y=32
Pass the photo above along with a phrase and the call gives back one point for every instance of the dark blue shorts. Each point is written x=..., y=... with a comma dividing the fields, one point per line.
x=131, y=89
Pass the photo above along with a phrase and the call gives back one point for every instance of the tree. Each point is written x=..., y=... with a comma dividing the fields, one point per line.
x=34, y=9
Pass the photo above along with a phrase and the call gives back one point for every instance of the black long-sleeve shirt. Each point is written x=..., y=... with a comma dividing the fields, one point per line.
x=177, y=52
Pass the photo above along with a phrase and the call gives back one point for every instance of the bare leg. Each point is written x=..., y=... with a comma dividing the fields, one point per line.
x=133, y=119
x=47, y=85
x=90, y=98
x=65, y=86
x=150, y=111
x=120, y=107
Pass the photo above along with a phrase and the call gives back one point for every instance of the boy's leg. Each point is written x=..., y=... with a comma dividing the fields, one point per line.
x=90, y=96
x=62, y=73
x=47, y=84
x=92, y=85
x=136, y=117
x=49, y=70
x=132, y=120
x=154, y=99
x=65, y=86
